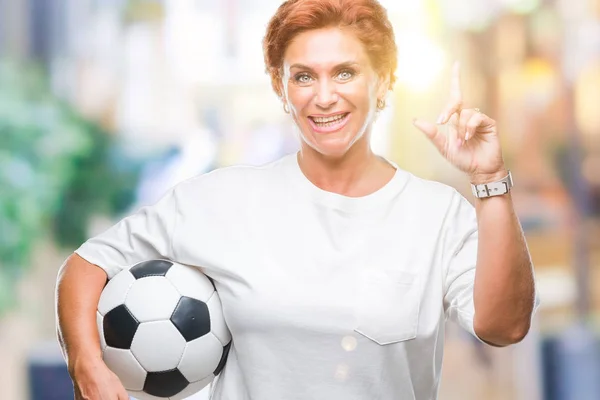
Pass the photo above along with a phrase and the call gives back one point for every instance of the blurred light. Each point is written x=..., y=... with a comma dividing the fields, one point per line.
x=420, y=61
x=580, y=46
x=193, y=43
x=522, y=6
x=474, y=15
x=539, y=83
x=556, y=286
x=510, y=42
x=586, y=98
x=409, y=7
x=572, y=10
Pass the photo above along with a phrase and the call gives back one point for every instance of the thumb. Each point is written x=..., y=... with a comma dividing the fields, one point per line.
x=433, y=133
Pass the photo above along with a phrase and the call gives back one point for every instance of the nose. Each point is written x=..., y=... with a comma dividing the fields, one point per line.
x=326, y=95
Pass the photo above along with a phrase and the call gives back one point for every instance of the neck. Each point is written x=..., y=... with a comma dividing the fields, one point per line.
x=356, y=173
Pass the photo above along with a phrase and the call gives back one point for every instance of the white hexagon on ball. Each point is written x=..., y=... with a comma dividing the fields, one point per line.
x=190, y=282
x=217, y=321
x=206, y=348
x=158, y=346
x=115, y=291
x=144, y=303
x=126, y=367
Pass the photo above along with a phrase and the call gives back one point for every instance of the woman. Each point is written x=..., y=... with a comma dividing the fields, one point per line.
x=335, y=268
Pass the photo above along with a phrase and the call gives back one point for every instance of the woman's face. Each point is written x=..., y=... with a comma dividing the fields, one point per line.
x=331, y=89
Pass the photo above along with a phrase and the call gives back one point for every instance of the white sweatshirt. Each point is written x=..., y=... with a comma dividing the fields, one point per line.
x=327, y=297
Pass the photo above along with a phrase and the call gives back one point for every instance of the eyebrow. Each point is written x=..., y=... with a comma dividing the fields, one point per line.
x=346, y=64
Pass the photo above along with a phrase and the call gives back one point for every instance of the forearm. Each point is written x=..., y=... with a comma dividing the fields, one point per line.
x=504, y=282
x=78, y=290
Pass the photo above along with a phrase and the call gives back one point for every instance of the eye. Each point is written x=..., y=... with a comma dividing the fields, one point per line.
x=303, y=78
x=346, y=74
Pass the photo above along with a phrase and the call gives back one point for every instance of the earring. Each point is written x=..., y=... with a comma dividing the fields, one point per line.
x=380, y=104
x=286, y=108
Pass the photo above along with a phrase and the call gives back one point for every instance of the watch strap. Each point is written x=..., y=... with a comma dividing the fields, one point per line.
x=496, y=188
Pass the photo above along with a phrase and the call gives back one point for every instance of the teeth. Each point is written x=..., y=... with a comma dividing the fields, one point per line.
x=324, y=120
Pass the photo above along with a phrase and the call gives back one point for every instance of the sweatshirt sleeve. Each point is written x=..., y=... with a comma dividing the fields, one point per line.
x=146, y=234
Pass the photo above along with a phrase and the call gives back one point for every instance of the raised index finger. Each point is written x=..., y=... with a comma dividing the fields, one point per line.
x=455, y=103
x=455, y=92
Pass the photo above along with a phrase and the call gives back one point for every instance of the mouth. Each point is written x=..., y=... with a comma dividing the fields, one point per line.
x=330, y=123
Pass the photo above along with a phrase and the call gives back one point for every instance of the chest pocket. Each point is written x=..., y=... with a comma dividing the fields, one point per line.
x=387, y=305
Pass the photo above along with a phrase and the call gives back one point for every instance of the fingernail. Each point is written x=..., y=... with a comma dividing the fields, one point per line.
x=459, y=143
x=440, y=119
x=467, y=136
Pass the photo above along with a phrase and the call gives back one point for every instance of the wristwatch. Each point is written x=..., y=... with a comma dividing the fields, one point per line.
x=497, y=188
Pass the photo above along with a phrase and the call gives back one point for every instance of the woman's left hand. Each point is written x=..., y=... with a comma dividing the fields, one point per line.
x=471, y=142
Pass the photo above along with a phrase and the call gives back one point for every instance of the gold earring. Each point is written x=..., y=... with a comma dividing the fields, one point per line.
x=286, y=108
x=380, y=104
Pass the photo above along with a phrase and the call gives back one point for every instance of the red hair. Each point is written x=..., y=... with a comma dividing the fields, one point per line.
x=367, y=19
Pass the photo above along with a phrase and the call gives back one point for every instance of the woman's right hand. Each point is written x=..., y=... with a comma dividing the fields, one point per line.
x=93, y=380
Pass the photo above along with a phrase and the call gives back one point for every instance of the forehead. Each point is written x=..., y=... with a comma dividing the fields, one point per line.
x=325, y=47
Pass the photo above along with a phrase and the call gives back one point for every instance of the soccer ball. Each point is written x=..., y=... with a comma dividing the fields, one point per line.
x=162, y=330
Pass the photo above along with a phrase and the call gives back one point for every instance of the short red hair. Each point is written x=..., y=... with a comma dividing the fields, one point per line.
x=367, y=19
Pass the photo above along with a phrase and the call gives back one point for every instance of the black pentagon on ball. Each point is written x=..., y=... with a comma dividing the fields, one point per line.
x=165, y=383
x=119, y=327
x=223, y=359
x=150, y=268
x=191, y=318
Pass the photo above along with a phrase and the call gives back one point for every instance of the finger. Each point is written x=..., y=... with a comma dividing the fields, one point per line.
x=461, y=126
x=434, y=134
x=451, y=109
x=122, y=395
x=121, y=392
x=455, y=92
x=455, y=103
x=476, y=120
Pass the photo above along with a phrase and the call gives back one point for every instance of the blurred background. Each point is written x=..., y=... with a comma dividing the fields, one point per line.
x=105, y=104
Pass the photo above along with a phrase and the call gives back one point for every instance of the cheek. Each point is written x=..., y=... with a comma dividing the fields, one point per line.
x=298, y=97
x=359, y=95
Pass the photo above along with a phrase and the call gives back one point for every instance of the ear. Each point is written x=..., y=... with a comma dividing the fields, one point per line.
x=280, y=92
x=284, y=102
x=383, y=86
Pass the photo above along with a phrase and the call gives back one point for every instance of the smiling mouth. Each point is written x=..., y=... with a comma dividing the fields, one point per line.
x=329, y=124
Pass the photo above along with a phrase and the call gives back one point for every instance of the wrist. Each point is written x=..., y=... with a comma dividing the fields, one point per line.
x=488, y=177
x=84, y=364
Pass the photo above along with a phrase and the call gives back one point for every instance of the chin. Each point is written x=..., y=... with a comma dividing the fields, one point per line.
x=331, y=148
x=331, y=153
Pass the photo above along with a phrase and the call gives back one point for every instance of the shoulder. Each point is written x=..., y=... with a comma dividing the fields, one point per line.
x=430, y=191
x=438, y=199
x=228, y=181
